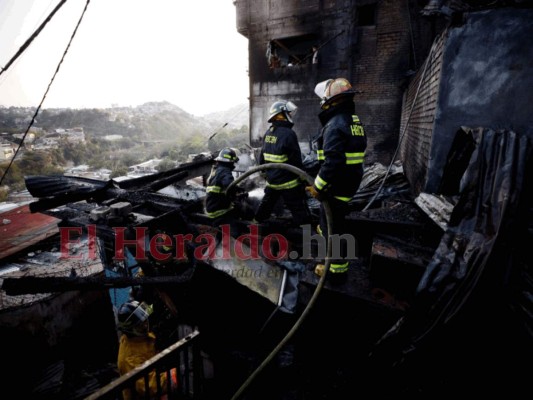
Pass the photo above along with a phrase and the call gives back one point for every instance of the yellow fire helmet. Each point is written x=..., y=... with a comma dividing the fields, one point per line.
x=332, y=89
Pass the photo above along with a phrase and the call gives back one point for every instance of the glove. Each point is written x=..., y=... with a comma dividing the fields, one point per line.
x=241, y=193
x=237, y=193
x=313, y=192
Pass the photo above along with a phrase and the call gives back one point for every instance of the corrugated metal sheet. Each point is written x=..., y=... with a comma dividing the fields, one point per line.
x=19, y=229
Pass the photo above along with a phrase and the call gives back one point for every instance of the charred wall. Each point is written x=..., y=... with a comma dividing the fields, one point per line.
x=77, y=328
x=286, y=23
x=382, y=58
x=419, y=109
x=484, y=79
x=372, y=43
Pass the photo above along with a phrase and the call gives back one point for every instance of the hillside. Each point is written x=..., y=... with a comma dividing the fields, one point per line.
x=236, y=117
x=115, y=138
x=157, y=121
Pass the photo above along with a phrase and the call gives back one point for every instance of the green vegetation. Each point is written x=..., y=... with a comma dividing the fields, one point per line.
x=32, y=163
x=229, y=138
x=154, y=130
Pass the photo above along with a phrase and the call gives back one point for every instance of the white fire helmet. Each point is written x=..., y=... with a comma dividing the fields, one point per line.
x=288, y=108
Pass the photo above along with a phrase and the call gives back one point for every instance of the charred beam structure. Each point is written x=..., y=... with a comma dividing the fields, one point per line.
x=388, y=280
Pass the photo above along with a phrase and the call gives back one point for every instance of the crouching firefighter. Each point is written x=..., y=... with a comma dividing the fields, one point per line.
x=137, y=345
x=340, y=151
x=219, y=204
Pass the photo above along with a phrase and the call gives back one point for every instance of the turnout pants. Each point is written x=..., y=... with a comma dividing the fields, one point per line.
x=339, y=210
x=294, y=199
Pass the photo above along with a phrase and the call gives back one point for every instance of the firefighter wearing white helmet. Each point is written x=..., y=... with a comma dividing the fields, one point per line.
x=340, y=150
x=280, y=145
x=282, y=109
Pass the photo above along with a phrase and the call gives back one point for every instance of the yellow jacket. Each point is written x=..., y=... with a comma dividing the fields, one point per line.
x=132, y=352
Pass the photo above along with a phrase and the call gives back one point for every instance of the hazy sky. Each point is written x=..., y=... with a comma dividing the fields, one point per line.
x=126, y=52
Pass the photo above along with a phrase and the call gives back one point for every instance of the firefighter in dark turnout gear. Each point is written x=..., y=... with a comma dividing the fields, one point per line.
x=218, y=203
x=280, y=145
x=340, y=151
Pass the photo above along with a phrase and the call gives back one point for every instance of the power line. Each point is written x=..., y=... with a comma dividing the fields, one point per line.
x=32, y=37
x=422, y=77
x=46, y=92
x=226, y=123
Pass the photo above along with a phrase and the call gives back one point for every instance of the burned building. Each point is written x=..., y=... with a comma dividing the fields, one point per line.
x=441, y=84
x=421, y=69
x=374, y=44
x=477, y=74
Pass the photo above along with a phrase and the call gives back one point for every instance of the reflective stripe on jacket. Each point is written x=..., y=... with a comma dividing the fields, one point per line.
x=341, y=151
x=217, y=203
x=280, y=145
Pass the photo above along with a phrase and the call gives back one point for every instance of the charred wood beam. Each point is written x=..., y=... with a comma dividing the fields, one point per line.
x=33, y=285
x=164, y=182
x=58, y=191
x=193, y=169
x=112, y=195
x=61, y=200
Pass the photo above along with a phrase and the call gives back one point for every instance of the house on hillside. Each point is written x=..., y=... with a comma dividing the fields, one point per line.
x=74, y=135
x=145, y=168
x=6, y=151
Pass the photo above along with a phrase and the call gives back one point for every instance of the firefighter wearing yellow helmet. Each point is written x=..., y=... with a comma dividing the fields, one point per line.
x=340, y=151
x=137, y=345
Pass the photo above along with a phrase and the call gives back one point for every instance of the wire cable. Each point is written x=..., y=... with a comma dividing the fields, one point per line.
x=405, y=127
x=226, y=123
x=32, y=37
x=45, y=93
x=306, y=177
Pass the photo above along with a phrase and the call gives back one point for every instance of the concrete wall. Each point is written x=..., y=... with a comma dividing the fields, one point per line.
x=76, y=327
x=485, y=79
x=276, y=19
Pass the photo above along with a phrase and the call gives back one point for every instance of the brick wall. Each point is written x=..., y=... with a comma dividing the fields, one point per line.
x=375, y=58
x=420, y=118
x=381, y=59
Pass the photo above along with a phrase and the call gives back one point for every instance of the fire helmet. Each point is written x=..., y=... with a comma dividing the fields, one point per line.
x=133, y=317
x=227, y=155
x=332, y=90
x=287, y=108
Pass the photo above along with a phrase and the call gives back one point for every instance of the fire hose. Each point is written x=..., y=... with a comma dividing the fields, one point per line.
x=307, y=178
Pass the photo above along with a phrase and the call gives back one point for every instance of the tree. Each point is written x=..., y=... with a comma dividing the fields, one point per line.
x=119, y=171
x=165, y=165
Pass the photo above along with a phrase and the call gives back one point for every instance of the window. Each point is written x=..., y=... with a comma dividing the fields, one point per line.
x=286, y=52
x=366, y=15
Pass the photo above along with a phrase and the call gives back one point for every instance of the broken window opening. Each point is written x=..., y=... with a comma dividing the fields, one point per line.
x=292, y=51
x=366, y=15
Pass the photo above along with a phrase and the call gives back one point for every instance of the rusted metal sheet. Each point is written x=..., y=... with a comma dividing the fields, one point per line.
x=21, y=229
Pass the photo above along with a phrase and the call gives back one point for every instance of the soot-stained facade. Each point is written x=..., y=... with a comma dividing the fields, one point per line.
x=375, y=44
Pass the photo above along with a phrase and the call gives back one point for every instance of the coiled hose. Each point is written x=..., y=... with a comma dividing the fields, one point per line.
x=307, y=178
